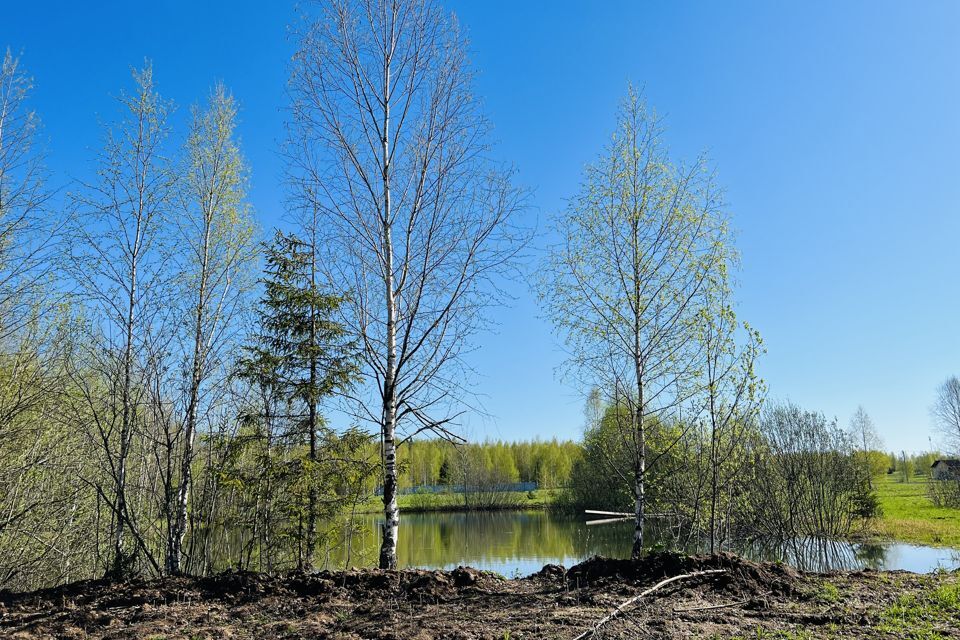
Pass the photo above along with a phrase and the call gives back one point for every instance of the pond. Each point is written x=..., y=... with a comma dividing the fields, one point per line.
x=516, y=543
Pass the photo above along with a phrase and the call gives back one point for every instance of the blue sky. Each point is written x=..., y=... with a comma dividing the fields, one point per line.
x=834, y=126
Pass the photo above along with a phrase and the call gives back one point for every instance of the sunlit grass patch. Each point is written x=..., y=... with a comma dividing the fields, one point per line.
x=827, y=593
x=909, y=515
x=929, y=615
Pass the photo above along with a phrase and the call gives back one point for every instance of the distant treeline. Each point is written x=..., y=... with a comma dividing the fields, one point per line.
x=438, y=462
x=907, y=467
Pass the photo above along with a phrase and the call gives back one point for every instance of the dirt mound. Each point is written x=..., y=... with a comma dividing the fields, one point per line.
x=240, y=587
x=229, y=586
x=747, y=600
x=550, y=573
x=413, y=584
x=741, y=576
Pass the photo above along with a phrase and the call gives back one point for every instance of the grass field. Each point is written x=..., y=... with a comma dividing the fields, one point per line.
x=909, y=516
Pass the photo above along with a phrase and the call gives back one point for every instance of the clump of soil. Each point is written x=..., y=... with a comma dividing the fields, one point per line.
x=740, y=576
x=745, y=600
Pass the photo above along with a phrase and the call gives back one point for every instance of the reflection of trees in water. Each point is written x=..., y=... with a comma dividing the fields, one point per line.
x=613, y=540
x=504, y=540
x=808, y=554
x=479, y=538
x=907, y=556
x=445, y=539
x=871, y=555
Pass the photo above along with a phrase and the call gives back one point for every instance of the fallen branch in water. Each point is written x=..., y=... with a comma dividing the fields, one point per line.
x=622, y=607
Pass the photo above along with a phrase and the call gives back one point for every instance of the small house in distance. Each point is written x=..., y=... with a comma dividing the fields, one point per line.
x=945, y=470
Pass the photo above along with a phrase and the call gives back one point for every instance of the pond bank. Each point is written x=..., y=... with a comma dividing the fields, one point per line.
x=446, y=502
x=908, y=515
x=745, y=600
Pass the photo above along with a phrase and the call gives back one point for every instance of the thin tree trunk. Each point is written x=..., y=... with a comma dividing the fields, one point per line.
x=120, y=502
x=640, y=469
x=641, y=444
x=175, y=546
x=714, y=464
x=391, y=512
x=391, y=525
x=312, y=402
x=640, y=503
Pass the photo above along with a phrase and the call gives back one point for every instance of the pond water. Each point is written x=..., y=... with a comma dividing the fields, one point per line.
x=515, y=543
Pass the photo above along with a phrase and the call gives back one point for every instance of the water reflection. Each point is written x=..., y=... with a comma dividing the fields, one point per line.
x=519, y=543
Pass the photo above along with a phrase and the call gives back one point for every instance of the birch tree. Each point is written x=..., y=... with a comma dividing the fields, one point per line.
x=640, y=245
x=388, y=144
x=120, y=266
x=864, y=432
x=216, y=243
x=27, y=228
x=868, y=440
x=730, y=401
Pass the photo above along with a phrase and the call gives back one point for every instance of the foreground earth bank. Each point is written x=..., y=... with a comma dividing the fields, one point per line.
x=744, y=600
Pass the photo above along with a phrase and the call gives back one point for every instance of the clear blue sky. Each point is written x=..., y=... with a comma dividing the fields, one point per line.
x=835, y=127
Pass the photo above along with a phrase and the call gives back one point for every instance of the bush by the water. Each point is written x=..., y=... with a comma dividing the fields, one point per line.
x=789, y=473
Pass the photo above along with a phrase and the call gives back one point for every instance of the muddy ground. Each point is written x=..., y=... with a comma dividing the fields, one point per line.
x=746, y=600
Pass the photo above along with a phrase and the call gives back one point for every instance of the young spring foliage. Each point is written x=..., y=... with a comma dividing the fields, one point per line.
x=641, y=245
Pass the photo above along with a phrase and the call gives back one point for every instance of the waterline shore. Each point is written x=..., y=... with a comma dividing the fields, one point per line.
x=907, y=516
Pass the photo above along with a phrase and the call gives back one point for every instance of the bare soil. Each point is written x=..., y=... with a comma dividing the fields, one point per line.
x=748, y=600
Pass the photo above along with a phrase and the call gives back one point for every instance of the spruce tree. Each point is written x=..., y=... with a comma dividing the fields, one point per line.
x=302, y=353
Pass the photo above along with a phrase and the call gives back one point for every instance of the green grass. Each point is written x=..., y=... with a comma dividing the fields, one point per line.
x=828, y=593
x=930, y=615
x=423, y=502
x=763, y=634
x=910, y=516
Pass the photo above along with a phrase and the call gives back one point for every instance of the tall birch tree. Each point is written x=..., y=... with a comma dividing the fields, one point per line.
x=217, y=252
x=946, y=413
x=120, y=265
x=388, y=144
x=868, y=441
x=639, y=246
